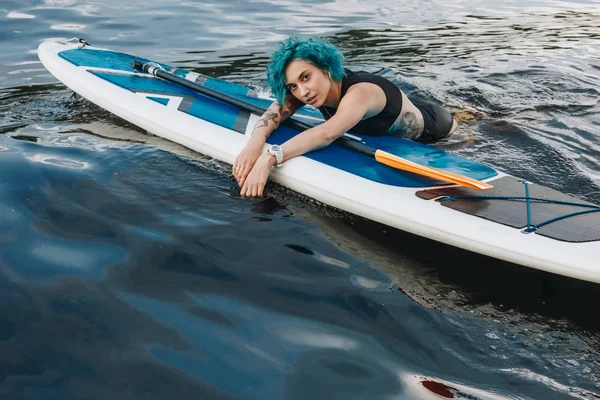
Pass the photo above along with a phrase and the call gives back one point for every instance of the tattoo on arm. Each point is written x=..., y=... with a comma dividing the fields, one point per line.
x=282, y=113
x=409, y=125
x=264, y=120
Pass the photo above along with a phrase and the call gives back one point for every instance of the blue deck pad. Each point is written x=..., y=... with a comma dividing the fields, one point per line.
x=122, y=62
x=225, y=115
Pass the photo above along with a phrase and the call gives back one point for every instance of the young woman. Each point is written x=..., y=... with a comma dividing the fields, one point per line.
x=311, y=72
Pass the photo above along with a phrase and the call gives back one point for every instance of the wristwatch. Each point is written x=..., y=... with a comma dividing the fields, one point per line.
x=276, y=151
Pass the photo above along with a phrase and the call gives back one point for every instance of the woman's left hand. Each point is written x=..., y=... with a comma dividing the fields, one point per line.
x=257, y=178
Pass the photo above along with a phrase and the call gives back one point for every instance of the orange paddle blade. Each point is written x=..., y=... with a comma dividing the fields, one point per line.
x=409, y=166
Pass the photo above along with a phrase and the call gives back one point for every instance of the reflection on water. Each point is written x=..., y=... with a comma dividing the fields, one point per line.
x=129, y=268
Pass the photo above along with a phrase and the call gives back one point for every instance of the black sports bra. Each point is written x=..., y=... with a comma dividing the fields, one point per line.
x=377, y=125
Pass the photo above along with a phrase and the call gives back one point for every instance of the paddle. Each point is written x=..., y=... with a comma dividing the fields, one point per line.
x=379, y=155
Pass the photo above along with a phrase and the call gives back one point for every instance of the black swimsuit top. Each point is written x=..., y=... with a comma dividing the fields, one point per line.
x=379, y=124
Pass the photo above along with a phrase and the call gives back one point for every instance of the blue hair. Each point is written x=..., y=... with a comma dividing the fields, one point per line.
x=318, y=52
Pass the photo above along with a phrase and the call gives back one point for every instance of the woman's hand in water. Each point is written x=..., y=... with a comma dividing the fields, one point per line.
x=245, y=161
x=257, y=178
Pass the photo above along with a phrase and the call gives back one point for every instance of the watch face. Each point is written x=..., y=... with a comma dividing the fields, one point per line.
x=275, y=148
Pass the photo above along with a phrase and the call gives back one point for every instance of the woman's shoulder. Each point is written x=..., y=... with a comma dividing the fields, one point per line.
x=353, y=77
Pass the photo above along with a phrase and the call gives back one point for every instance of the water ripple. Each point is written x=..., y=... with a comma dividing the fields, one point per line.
x=124, y=264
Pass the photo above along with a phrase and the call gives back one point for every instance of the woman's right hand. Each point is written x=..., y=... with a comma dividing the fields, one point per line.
x=245, y=160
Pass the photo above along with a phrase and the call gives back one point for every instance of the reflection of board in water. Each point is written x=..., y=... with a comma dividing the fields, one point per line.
x=440, y=276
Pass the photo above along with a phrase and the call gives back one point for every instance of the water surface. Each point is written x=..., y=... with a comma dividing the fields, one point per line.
x=128, y=269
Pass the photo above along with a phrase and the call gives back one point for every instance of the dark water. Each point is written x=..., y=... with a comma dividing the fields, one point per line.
x=128, y=269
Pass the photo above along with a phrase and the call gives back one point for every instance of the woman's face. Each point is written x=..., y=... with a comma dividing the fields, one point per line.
x=307, y=83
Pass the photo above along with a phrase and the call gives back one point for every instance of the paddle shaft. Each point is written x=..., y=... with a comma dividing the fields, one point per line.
x=243, y=105
x=379, y=155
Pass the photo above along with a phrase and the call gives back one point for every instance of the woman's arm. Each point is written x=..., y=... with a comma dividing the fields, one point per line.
x=268, y=122
x=360, y=101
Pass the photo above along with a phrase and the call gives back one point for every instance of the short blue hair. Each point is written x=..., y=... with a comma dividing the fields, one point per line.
x=318, y=52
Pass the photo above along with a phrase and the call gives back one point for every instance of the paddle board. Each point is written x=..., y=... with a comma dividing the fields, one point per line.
x=516, y=221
